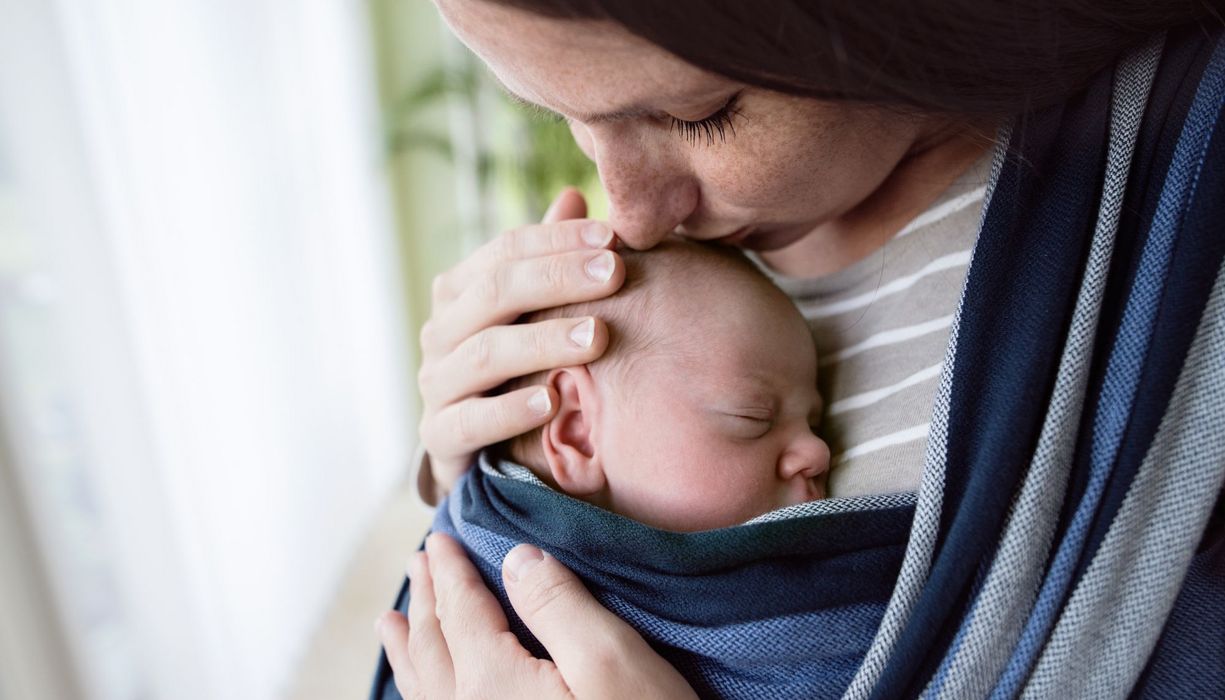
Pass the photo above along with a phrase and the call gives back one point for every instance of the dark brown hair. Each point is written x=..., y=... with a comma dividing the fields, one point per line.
x=969, y=57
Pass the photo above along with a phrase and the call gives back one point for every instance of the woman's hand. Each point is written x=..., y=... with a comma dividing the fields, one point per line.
x=456, y=642
x=467, y=347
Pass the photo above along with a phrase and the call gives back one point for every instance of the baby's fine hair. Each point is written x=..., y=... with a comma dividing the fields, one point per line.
x=676, y=266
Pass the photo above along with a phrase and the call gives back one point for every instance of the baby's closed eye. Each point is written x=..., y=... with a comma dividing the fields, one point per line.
x=747, y=423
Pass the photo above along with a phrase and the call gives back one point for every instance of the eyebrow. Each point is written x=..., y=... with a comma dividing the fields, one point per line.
x=630, y=112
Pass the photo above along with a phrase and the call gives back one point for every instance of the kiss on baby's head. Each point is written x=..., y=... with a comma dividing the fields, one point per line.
x=698, y=414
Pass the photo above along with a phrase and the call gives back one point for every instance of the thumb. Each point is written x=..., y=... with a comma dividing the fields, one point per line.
x=568, y=204
x=596, y=652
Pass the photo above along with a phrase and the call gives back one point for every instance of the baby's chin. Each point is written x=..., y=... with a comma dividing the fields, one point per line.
x=703, y=519
x=698, y=518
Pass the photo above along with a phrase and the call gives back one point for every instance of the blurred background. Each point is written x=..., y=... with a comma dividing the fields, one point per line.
x=219, y=220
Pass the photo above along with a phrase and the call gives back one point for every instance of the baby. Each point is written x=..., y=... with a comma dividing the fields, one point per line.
x=696, y=419
x=699, y=414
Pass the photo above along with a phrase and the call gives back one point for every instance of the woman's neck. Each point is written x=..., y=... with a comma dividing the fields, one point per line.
x=920, y=177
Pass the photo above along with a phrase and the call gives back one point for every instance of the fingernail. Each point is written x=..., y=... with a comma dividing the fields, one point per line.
x=600, y=267
x=583, y=333
x=596, y=235
x=539, y=402
x=520, y=561
x=378, y=625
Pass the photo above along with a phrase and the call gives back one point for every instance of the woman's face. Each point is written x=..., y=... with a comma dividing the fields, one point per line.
x=764, y=170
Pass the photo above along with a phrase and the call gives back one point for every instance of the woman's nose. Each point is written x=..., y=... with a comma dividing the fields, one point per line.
x=650, y=191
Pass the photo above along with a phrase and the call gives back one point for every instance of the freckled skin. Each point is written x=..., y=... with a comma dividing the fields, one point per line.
x=833, y=181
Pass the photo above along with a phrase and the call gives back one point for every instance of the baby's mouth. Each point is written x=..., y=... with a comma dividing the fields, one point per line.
x=805, y=491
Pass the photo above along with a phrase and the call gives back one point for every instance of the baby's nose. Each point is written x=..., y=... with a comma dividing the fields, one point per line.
x=807, y=457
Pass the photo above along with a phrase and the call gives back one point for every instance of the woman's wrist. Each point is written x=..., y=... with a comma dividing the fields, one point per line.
x=427, y=488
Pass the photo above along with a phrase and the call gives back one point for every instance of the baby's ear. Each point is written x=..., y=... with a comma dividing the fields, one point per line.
x=568, y=441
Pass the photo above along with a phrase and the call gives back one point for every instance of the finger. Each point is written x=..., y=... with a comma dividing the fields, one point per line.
x=469, y=616
x=494, y=355
x=568, y=204
x=427, y=649
x=393, y=632
x=530, y=241
x=488, y=659
x=466, y=426
x=527, y=285
x=597, y=656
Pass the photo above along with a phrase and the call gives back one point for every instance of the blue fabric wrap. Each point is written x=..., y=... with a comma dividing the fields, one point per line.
x=716, y=603
x=1026, y=243
x=1135, y=353
x=789, y=608
x=1190, y=657
x=1196, y=255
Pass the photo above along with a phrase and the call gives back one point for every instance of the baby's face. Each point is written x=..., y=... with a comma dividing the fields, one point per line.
x=714, y=428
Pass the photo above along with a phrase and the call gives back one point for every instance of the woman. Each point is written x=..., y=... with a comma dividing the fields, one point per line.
x=813, y=137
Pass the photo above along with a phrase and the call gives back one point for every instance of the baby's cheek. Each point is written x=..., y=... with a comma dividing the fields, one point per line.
x=726, y=494
x=674, y=492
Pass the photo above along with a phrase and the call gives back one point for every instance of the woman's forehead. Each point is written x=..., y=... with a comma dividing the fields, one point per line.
x=589, y=70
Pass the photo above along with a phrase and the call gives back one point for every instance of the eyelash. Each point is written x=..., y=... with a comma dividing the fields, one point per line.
x=718, y=124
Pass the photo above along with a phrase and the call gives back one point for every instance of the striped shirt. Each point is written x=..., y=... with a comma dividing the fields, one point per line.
x=881, y=327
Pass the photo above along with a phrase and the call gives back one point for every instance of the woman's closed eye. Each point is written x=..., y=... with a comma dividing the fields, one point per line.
x=719, y=123
x=698, y=131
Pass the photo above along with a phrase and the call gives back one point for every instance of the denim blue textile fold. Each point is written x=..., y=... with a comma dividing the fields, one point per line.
x=715, y=603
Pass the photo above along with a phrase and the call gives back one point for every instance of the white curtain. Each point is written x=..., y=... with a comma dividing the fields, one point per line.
x=201, y=336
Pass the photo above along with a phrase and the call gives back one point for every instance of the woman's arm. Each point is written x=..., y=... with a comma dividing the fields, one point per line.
x=456, y=641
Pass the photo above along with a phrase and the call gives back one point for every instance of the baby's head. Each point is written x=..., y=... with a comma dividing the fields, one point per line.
x=698, y=414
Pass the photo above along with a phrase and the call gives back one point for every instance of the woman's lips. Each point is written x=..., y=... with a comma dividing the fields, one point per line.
x=752, y=239
x=735, y=237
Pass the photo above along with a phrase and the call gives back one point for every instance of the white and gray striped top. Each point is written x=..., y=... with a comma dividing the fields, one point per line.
x=881, y=327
